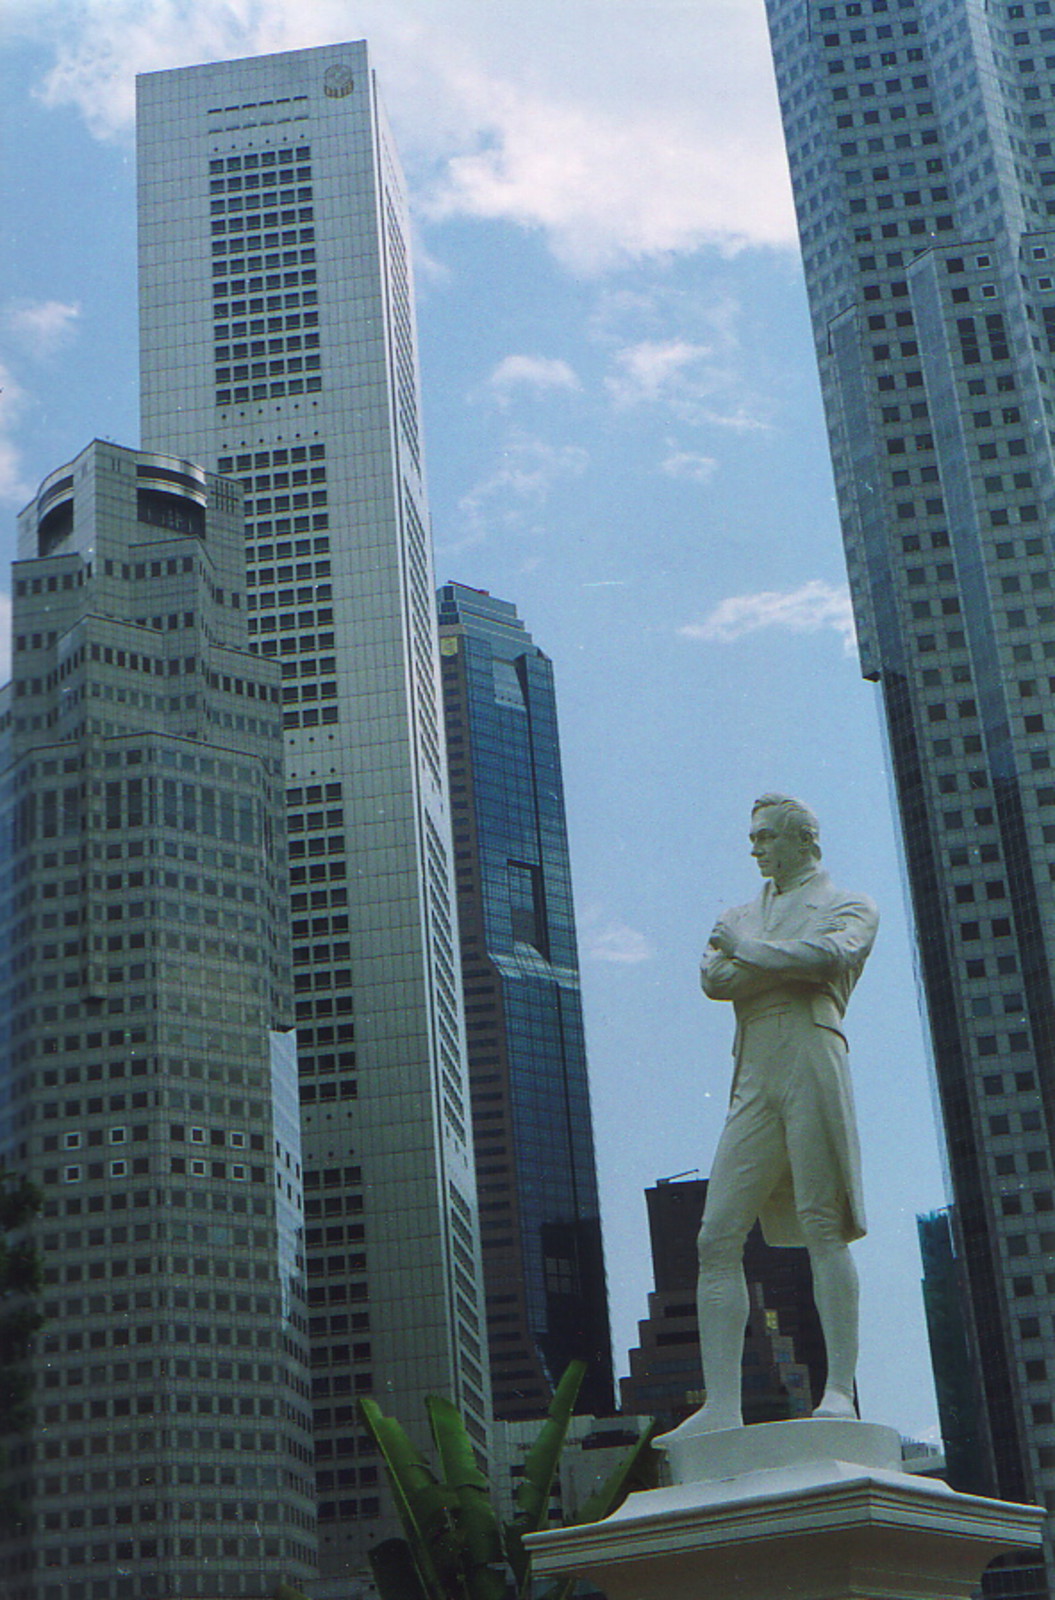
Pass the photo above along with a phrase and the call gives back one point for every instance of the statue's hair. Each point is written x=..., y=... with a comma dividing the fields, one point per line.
x=794, y=817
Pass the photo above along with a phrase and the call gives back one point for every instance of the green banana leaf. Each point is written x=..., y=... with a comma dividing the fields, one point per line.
x=395, y=1571
x=424, y=1506
x=608, y=1497
x=532, y=1498
x=479, y=1535
x=604, y=1500
x=453, y=1548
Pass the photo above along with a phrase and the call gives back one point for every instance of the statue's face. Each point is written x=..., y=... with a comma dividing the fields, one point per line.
x=780, y=854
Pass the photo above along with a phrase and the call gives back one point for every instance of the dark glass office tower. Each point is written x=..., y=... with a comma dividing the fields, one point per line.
x=921, y=135
x=148, y=1077
x=955, y=1379
x=544, y=1273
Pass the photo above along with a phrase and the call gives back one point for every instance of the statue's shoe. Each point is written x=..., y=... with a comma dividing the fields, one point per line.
x=708, y=1419
x=837, y=1406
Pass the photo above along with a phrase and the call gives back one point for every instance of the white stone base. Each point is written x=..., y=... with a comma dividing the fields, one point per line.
x=703, y=1457
x=780, y=1516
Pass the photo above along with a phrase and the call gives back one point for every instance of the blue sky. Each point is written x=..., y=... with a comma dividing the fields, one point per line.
x=624, y=438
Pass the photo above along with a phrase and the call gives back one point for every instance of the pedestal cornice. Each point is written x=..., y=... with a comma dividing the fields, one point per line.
x=812, y=1529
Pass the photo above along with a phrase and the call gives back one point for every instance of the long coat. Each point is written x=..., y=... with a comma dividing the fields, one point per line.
x=809, y=941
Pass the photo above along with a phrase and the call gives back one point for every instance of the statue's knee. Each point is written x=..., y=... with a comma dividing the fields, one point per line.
x=823, y=1235
x=717, y=1251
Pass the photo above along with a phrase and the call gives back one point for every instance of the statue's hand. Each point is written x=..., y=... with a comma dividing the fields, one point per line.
x=723, y=938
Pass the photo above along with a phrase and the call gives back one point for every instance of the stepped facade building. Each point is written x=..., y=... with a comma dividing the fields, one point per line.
x=147, y=1069
x=784, y=1363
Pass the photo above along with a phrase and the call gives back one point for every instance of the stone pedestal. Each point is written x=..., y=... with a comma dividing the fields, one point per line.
x=808, y=1510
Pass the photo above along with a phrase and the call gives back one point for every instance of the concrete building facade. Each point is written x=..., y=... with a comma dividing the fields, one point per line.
x=920, y=136
x=279, y=345
x=147, y=1070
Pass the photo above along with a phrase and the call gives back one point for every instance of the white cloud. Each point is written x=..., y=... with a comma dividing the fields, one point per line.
x=12, y=397
x=100, y=45
x=688, y=464
x=519, y=485
x=5, y=637
x=657, y=370
x=619, y=132
x=537, y=373
x=605, y=187
x=42, y=326
x=700, y=384
x=814, y=607
x=680, y=350
x=739, y=420
x=38, y=328
x=618, y=942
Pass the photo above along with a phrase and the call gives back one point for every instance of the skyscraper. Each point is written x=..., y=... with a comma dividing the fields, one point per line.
x=278, y=344
x=955, y=1380
x=147, y=1074
x=547, y=1300
x=920, y=135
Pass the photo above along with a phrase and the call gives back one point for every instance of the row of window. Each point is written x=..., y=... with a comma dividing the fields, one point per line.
x=323, y=1005
x=285, y=621
x=324, y=690
x=271, y=255
x=281, y=160
x=343, y=1089
x=285, y=322
x=309, y=719
x=276, y=389
x=67, y=580
x=265, y=459
x=321, y=593
x=96, y=1170
x=245, y=214
x=303, y=571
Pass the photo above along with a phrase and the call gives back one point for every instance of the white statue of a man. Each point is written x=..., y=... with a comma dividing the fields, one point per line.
x=788, y=1153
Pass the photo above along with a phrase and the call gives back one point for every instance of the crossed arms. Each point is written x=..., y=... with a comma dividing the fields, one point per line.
x=737, y=965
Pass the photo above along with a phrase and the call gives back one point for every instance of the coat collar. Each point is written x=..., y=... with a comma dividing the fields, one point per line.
x=800, y=881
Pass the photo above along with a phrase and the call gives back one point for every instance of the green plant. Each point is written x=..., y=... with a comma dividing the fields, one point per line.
x=454, y=1547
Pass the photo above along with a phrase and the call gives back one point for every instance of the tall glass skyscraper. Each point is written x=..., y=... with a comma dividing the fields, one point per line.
x=147, y=1070
x=921, y=137
x=547, y=1300
x=279, y=345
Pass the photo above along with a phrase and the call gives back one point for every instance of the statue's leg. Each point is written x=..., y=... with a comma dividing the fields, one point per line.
x=821, y=1204
x=722, y=1306
x=836, y=1294
x=749, y=1157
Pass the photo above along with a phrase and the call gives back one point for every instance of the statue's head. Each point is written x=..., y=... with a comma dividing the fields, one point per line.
x=785, y=837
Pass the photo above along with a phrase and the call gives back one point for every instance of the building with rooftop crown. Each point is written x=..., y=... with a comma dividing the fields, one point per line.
x=147, y=1068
